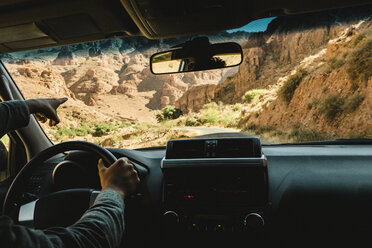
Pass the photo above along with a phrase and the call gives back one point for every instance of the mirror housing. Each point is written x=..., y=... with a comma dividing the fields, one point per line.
x=196, y=55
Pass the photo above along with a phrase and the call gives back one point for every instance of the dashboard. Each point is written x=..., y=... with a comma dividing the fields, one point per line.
x=286, y=196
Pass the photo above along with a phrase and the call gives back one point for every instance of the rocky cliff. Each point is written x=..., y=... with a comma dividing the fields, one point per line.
x=92, y=71
x=113, y=79
x=324, y=45
x=270, y=55
x=334, y=97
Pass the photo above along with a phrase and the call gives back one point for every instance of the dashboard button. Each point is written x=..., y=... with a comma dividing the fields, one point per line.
x=219, y=228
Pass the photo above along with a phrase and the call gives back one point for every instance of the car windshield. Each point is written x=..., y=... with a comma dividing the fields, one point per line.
x=304, y=78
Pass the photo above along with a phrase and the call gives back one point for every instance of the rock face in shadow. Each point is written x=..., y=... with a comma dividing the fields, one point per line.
x=323, y=46
x=272, y=54
x=64, y=57
x=195, y=98
x=94, y=52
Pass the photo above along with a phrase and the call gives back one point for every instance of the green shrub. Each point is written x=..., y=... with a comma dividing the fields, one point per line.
x=251, y=127
x=64, y=131
x=80, y=131
x=263, y=129
x=237, y=107
x=250, y=95
x=301, y=135
x=279, y=133
x=331, y=106
x=159, y=130
x=312, y=104
x=209, y=116
x=169, y=113
x=124, y=124
x=102, y=128
x=229, y=118
x=335, y=62
x=160, y=117
x=286, y=92
x=209, y=113
x=174, y=134
x=211, y=105
x=358, y=39
x=191, y=121
x=352, y=103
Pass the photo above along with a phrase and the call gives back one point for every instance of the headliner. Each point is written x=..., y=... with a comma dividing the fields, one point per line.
x=34, y=24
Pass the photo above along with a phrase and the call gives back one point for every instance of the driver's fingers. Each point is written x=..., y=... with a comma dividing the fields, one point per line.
x=125, y=163
x=53, y=122
x=62, y=100
x=58, y=101
x=40, y=117
x=101, y=167
x=55, y=103
x=55, y=118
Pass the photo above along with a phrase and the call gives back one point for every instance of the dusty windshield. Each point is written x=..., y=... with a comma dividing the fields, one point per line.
x=303, y=78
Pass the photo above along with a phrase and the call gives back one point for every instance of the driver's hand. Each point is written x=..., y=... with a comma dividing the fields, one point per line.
x=121, y=176
x=46, y=109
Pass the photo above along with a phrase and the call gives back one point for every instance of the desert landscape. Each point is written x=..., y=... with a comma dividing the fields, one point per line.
x=306, y=78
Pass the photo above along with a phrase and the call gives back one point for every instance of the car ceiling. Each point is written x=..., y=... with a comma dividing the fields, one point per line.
x=33, y=24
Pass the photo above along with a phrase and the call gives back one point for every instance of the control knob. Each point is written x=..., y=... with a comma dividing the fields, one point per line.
x=253, y=221
x=171, y=218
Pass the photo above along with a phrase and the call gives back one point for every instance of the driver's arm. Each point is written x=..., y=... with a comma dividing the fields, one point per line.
x=13, y=115
x=101, y=226
x=16, y=114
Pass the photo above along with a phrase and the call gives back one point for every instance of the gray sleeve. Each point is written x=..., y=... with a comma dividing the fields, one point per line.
x=13, y=115
x=101, y=226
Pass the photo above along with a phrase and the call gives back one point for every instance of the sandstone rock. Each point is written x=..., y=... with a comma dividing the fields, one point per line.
x=195, y=98
x=108, y=142
x=89, y=99
x=46, y=78
x=68, y=75
x=164, y=100
x=64, y=57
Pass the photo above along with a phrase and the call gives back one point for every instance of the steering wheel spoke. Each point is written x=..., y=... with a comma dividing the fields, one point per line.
x=61, y=208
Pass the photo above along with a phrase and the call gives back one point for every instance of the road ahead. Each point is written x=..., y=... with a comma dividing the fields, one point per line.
x=216, y=132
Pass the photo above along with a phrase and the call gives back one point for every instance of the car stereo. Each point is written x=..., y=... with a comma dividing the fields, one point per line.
x=214, y=185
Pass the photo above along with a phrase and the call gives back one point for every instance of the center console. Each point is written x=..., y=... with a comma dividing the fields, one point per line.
x=215, y=187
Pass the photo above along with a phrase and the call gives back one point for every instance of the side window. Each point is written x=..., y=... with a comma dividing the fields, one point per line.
x=4, y=149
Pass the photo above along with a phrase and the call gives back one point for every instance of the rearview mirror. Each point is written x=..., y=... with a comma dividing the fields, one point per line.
x=197, y=55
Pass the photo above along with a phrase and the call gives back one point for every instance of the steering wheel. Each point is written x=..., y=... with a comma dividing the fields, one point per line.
x=74, y=202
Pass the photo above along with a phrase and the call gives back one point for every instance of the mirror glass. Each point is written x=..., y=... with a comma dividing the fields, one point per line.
x=196, y=56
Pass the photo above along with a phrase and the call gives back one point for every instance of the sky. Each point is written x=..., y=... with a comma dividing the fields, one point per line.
x=259, y=25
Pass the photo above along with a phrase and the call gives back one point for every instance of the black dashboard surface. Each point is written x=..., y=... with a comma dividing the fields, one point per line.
x=342, y=167
x=317, y=194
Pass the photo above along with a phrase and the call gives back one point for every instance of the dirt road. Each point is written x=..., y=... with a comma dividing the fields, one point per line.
x=217, y=132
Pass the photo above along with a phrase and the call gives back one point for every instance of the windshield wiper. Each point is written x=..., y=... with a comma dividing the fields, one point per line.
x=357, y=141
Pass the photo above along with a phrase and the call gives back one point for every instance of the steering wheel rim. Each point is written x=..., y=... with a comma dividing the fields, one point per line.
x=106, y=155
